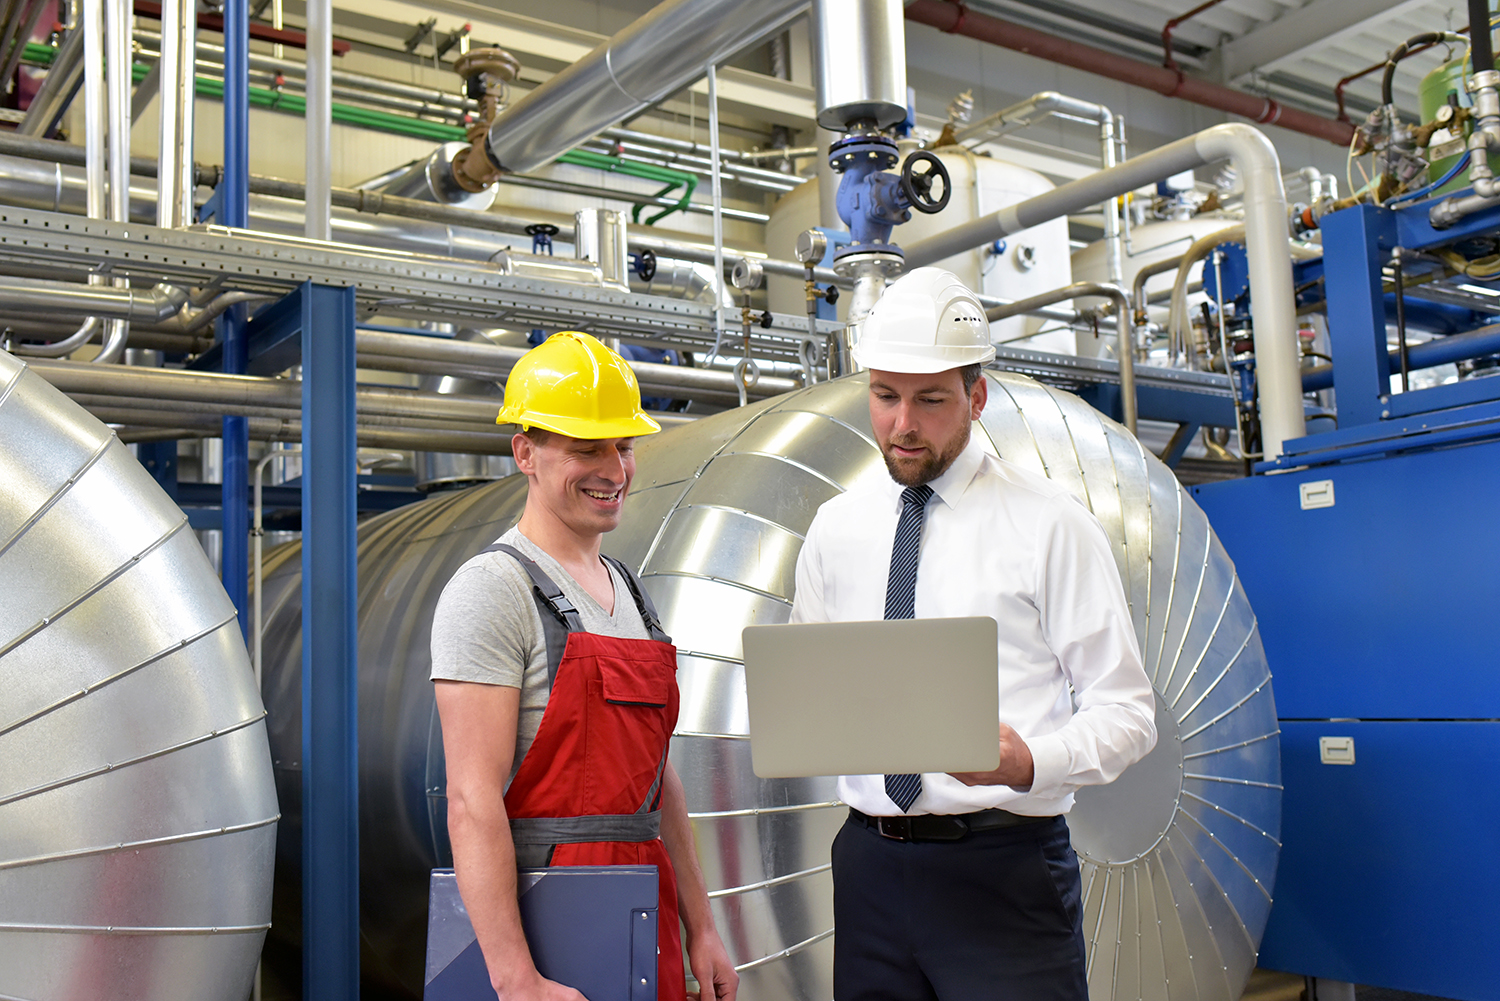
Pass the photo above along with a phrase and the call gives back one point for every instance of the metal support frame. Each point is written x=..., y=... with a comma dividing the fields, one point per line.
x=323, y=317
x=233, y=209
x=1360, y=241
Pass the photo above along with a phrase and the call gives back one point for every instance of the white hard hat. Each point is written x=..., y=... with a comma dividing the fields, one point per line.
x=926, y=321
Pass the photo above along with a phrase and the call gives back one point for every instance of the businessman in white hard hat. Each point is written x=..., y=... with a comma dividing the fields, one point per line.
x=965, y=886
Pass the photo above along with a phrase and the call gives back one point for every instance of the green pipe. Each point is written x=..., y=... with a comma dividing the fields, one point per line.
x=37, y=53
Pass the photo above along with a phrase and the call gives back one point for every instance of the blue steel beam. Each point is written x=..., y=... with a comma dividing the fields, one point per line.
x=234, y=210
x=330, y=774
x=1438, y=351
x=1357, y=242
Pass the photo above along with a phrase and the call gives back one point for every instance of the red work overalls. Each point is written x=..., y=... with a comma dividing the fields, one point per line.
x=588, y=791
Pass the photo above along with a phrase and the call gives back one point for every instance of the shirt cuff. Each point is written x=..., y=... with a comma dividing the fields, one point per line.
x=1050, y=763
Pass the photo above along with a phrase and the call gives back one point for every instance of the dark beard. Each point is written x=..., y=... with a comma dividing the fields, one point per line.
x=933, y=466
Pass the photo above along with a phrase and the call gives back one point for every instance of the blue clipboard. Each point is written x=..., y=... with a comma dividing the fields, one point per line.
x=592, y=928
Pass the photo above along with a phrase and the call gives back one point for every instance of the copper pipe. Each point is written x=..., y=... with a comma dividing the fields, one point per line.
x=1166, y=32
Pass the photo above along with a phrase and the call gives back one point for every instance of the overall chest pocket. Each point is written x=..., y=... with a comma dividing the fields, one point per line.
x=634, y=683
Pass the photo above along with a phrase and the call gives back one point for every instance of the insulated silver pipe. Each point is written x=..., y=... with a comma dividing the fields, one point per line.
x=493, y=362
x=117, y=24
x=859, y=62
x=1124, y=353
x=646, y=62
x=1278, y=363
x=49, y=298
x=1044, y=105
x=177, y=90
x=319, y=221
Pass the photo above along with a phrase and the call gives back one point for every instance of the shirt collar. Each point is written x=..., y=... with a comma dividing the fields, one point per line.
x=950, y=486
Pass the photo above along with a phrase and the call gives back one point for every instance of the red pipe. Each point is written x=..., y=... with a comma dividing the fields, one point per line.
x=1168, y=60
x=260, y=32
x=955, y=18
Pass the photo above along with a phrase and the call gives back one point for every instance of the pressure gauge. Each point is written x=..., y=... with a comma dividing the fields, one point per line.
x=811, y=246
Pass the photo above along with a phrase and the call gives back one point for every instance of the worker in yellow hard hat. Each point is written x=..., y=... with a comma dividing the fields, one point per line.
x=556, y=686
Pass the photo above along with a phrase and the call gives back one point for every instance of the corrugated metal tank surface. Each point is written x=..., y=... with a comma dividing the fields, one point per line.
x=137, y=812
x=1178, y=857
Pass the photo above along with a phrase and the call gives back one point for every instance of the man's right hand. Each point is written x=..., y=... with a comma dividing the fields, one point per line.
x=535, y=988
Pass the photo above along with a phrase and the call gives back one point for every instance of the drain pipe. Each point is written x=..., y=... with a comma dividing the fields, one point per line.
x=1277, y=354
x=117, y=14
x=1123, y=349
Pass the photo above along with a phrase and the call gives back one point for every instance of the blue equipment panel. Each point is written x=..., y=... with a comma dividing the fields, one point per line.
x=592, y=928
x=1382, y=605
x=1387, y=872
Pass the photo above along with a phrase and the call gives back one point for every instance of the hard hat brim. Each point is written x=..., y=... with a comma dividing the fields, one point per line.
x=587, y=430
x=885, y=359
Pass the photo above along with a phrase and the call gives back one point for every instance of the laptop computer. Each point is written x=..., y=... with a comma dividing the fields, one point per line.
x=858, y=698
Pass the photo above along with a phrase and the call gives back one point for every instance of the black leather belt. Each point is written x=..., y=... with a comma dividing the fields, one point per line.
x=941, y=827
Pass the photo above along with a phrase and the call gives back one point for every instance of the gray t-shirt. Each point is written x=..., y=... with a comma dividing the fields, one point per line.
x=487, y=628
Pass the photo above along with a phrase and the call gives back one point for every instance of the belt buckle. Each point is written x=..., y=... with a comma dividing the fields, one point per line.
x=895, y=828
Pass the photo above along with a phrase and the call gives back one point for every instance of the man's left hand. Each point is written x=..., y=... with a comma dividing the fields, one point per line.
x=1015, y=769
x=717, y=980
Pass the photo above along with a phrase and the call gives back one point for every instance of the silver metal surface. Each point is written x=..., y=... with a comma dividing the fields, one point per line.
x=431, y=179
x=859, y=62
x=601, y=239
x=714, y=522
x=175, y=140
x=58, y=87
x=137, y=812
x=423, y=285
x=645, y=62
x=449, y=470
x=319, y=128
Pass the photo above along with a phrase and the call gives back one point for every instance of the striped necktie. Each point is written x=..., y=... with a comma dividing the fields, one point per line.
x=901, y=603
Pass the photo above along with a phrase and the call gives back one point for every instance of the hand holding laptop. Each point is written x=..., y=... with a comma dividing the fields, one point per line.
x=1016, y=767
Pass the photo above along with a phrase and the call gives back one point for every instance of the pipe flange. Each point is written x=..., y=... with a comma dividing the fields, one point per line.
x=858, y=259
x=854, y=150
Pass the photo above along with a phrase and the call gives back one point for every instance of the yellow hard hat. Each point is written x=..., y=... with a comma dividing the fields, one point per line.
x=574, y=385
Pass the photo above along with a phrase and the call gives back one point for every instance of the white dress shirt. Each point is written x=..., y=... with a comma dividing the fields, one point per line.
x=1000, y=541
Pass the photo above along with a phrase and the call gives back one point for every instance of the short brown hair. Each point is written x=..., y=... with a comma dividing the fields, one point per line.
x=970, y=375
x=537, y=436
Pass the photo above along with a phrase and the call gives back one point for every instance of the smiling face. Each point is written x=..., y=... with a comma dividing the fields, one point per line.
x=922, y=421
x=577, y=483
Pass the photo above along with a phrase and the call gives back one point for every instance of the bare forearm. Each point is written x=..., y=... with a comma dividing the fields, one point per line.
x=677, y=836
x=484, y=859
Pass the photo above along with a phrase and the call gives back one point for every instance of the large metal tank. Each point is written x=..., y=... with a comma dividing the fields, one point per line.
x=1028, y=263
x=1179, y=856
x=137, y=814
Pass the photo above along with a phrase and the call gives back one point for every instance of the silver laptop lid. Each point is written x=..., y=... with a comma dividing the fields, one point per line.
x=856, y=698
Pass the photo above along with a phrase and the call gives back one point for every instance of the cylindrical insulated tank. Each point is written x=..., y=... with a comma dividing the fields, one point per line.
x=137, y=812
x=1178, y=856
x=1025, y=264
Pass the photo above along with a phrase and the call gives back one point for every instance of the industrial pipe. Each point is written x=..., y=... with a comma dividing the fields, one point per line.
x=1428, y=354
x=29, y=295
x=58, y=87
x=492, y=362
x=1124, y=353
x=1177, y=318
x=1278, y=363
x=175, y=180
x=644, y=63
x=117, y=75
x=955, y=18
x=1043, y=105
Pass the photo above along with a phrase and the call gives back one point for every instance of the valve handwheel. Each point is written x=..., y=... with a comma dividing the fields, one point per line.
x=916, y=184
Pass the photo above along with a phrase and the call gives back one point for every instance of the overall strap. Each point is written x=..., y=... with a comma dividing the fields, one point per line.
x=642, y=601
x=559, y=616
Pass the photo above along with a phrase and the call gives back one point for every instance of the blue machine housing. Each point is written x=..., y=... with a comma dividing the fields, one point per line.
x=1371, y=562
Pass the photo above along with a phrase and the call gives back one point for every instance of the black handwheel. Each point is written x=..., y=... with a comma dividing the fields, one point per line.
x=541, y=229
x=917, y=185
x=645, y=265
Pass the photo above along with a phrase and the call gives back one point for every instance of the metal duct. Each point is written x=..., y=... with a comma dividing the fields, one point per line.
x=1179, y=855
x=859, y=62
x=137, y=813
x=449, y=470
x=644, y=63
